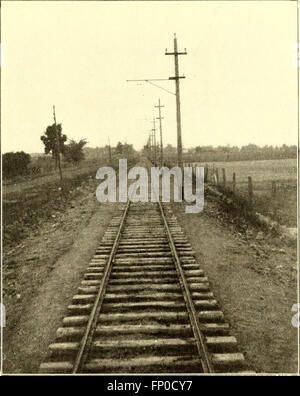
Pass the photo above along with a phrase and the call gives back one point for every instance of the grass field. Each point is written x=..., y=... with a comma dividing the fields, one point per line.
x=27, y=202
x=281, y=206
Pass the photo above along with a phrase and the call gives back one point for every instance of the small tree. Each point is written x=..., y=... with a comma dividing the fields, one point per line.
x=119, y=148
x=127, y=149
x=74, y=151
x=50, y=141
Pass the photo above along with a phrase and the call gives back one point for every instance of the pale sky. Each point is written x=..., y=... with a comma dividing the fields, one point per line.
x=240, y=86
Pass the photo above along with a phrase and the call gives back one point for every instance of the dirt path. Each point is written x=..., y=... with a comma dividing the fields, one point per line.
x=47, y=269
x=253, y=276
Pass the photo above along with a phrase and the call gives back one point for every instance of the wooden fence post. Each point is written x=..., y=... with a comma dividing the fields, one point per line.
x=250, y=191
x=205, y=174
x=224, y=177
x=273, y=189
x=233, y=182
x=217, y=176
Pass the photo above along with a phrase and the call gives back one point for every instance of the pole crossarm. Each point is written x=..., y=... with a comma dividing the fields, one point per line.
x=176, y=53
x=176, y=78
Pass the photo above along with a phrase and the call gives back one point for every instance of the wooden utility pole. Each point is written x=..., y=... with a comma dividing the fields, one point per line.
x=151, y=145
x=154, y=140
x=233, y=182
x=160, y=130
x=109, y=150
x=250, y=192
x=178, y=114
x=273, y=189
x=224, y=177
x=58, y=150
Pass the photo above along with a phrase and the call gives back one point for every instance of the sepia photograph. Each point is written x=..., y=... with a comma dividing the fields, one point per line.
x=149, y=190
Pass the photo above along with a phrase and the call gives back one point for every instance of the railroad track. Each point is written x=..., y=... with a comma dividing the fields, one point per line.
x=144, y=305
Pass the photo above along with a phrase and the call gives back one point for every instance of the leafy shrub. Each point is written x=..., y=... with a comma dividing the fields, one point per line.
x=15, y=164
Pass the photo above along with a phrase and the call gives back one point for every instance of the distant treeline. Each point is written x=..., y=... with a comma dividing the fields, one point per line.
x=124, y=149
x=15, y=164
x=233, y=153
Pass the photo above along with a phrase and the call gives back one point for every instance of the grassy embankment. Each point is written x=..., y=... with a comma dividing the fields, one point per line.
x=281, y=204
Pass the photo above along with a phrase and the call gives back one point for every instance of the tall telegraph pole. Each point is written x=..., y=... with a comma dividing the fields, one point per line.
x=178, y=115
x=154, y=140
x=109, y=150
x=160, y=129
x=58, y=150
x=150, y=145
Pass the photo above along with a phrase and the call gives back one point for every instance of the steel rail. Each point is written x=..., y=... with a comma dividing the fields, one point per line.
x=200, y=339
x=87, y=338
